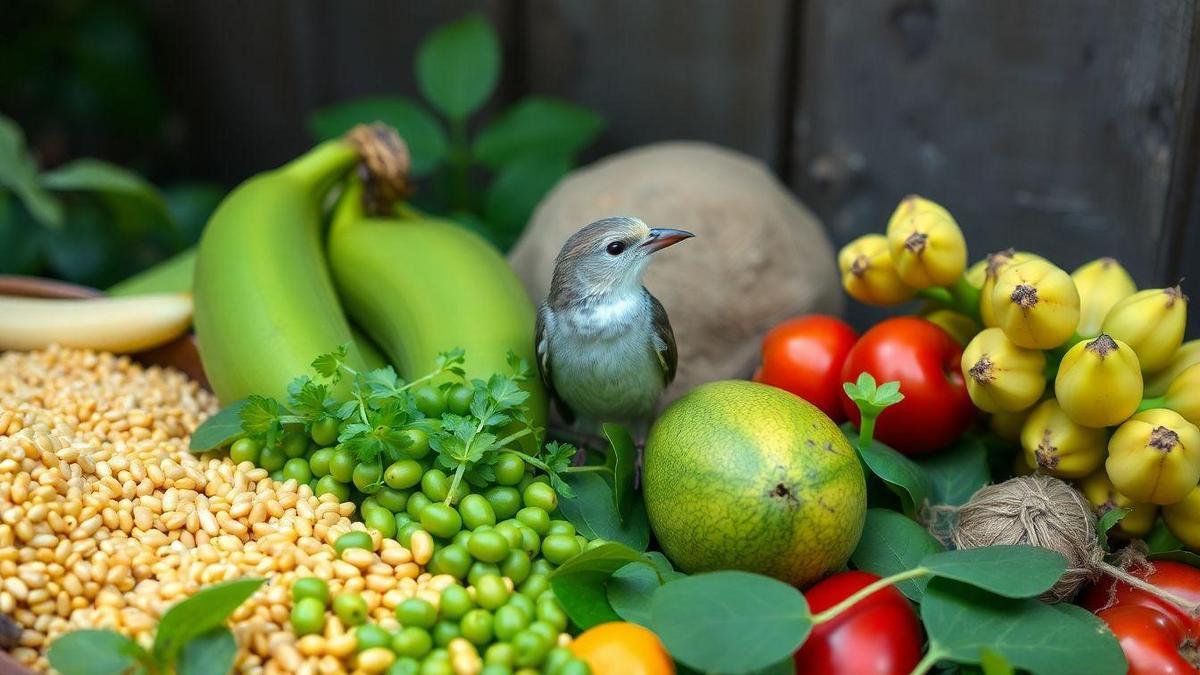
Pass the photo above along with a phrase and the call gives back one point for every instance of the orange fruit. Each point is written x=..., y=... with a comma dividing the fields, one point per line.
x=621, y=648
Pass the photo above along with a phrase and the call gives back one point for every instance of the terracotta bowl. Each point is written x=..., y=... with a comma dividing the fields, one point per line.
x=180, y=354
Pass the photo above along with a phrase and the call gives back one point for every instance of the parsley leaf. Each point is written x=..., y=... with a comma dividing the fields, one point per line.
x=309, y=399
x=330, y=365
x=261, y=418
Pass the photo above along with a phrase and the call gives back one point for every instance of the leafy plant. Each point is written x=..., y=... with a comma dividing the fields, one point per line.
x=192, y=638
x=88, y=221
x=490, y=181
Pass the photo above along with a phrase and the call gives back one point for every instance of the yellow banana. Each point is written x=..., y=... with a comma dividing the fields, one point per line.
x=1099, y=490
x=1101, y=283
x=868, y=274
x=1058, y=446
x=993, y=265
x=1185, y=357
x=926, y=245
x=1036, y=304
x=121, y=325
x=265, y=302
x=1152, y=322
x=420, y=286
x=1099, y=382
x=1000, y=376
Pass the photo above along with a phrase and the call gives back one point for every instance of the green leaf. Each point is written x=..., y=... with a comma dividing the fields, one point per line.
x=219, y=430
x=1012, y=571
x=458, y=66
x=208, y=654
x=537, y=125
x=95, y=652
x=517, y=188
x=19, y=173
x=190, y=205
x=329, y=365
x=260, y=418
x=580, y=583
x=422, y=132
x=1185, y=557
x=591, y=509
x=871, y=399
x=1107, y=521
x=962, y=620
x=136, y=203
x=731, y=621
x=892, y=543
x=957, y=472
x=621, y=459
x=631, y=589
x=199, y=614
x=903, y=476
x=19, y=243
x=1160, y=539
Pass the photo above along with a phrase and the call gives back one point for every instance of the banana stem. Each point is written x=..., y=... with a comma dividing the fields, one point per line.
x=318, y=169
x=960, y=297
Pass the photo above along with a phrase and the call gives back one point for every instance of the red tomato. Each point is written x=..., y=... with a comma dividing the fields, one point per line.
x=1152, y=631
x=879, y=635
x=936, y=409
x=804, y=355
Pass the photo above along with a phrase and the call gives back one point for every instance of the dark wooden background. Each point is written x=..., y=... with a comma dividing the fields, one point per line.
x=1067, y=127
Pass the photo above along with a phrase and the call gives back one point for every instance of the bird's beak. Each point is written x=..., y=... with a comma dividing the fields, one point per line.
x=662, y=237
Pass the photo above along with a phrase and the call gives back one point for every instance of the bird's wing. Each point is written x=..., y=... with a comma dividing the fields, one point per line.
x=542, y=345
x=664, y=340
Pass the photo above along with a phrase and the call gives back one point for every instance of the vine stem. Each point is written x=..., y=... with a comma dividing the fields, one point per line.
x=931, y=657
x=866, y=591
x=866, y=431
x=585, y=468
x=462, y=464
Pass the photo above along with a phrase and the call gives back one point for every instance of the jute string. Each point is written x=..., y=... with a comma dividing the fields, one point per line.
x=1044, y=511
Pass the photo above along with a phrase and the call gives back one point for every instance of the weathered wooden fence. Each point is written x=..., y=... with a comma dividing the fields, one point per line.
x=1068, y=127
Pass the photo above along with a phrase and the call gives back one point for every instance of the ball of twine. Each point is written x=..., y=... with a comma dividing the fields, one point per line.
x=1037, y=511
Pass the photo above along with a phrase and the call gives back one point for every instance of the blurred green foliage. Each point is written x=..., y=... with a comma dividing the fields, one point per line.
x=492, y=180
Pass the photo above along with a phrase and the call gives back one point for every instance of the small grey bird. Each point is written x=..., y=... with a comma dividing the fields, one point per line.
x=605, y=347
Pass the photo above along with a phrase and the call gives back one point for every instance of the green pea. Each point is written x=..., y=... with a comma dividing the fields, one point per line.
x=583, y=542
x=458, y=399
x=461, y=490
x=535, y=518
x=444, y=632
x=350, y=608
x=324, y=431
x=555, y=659
x=381, y=519
x=516, y=566
x=455, y=602
x=406, y=665
x=402, y=519
x=297, y=469
x=529, y=648
x=542, y=566
x=559, y=548
x=509, y=468
x=508, y=621
x=523, y=603
x=367, y=476
x=435, y=484
x=294, y=444
x=341, y=465
x=402, y=475
x=535, y=585
x=404, y=532
x=531, y=543
x=308, y=616
x=453, y=560
x=369, y=635
x=437, y=666
x=430, y=400
x=310, y=587
x=488, y=545
x=480, y=570
x=495, y=668
x=441, y=520
x=416, y=612
x=505, y=501
x=417, y=502
x=490, y=591
x=541, y=496
x=461, y=537
x=574, y=667
x=476, y=626
x=476, y=511
x=561, y=527
x=272, y=458
x=499, y=654
x=418, y=446
x=391, y=499
x=511, y=531
x=551, y=612
x=412, y=642
x=318, y=462
x=330, y=485
x=245, y=450
x=353, y=539
x=545, y=630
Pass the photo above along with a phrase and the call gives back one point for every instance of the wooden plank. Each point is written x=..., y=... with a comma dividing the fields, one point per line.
x=245, y=75
x=1044, y=126
x=673, y=69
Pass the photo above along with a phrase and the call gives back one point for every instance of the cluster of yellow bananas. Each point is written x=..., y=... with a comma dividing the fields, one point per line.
x=1121, y=415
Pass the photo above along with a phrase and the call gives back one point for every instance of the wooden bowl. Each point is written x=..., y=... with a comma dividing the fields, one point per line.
x=180, y=354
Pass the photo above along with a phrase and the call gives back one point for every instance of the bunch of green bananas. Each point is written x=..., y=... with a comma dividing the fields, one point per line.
x=269, y=295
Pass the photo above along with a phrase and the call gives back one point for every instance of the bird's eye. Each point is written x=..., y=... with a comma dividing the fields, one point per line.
x=615, y=247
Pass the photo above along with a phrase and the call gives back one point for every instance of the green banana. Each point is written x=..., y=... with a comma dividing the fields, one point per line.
x=173, y=275
x=265, y=302
x=420, y=286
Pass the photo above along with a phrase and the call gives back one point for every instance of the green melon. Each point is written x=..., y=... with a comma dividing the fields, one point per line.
x=741, y=475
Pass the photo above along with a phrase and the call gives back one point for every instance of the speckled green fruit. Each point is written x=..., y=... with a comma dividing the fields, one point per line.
x=741, y=475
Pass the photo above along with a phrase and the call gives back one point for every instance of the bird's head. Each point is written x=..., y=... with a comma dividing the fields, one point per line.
x=609, y=256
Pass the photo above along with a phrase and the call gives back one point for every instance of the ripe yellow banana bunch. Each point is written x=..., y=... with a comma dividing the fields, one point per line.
x=1059, y=446
x=1099, y=491
x=868, y=273
x=993, y=265
x=1099, y=382
x=1000, y=376
x=1152, y=323
x=1035, y=304
x=1155, y=457
x=1101, y=283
